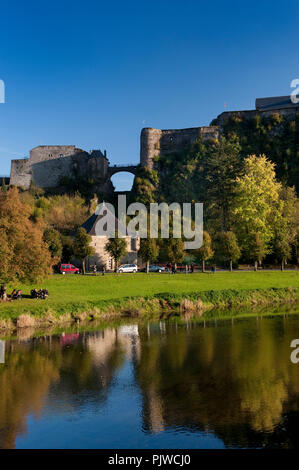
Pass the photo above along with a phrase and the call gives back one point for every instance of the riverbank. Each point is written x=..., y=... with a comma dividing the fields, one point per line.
x=82, y=298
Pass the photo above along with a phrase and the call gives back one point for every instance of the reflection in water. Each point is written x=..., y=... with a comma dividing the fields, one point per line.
x=167, y=384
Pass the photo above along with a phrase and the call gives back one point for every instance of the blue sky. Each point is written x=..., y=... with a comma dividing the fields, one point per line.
x=94, y=73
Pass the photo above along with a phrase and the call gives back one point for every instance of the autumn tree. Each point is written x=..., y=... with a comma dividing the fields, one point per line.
x=63, y=213
x=24, y=255
x=117, y=248
x=82, y=246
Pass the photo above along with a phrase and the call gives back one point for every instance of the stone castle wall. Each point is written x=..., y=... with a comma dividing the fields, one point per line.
x=47, y=165
x=154, y=142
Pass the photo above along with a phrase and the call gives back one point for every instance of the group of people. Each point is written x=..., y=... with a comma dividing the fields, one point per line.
x=95, y=270
x=15, y=295
x=39, y=294
x=189, y=268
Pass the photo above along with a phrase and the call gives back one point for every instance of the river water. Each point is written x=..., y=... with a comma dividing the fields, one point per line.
x=224, y=383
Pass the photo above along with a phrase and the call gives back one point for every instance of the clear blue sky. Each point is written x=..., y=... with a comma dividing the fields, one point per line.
x=94, y=73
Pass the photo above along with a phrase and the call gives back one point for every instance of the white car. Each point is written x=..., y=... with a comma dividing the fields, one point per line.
x=128, y=268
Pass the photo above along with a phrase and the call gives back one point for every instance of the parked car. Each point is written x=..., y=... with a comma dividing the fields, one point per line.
x=128, y=268
x=156, y=269
x=68, y=268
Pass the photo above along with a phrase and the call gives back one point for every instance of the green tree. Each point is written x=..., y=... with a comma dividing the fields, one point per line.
x=53, y=240
x=117, y=248
x=67, y=249
x=256, y=205
x=148, y=250
x=3, y=186
x=206, y=251
x=286, y=225
x=171, y=249
x=257, y=249
x=221, y=167
x=82, y=246
x=227, y=248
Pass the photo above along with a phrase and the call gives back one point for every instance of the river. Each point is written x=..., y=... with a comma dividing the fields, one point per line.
x=193, y=384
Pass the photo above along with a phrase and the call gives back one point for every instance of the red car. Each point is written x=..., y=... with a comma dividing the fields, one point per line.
x=68, y=268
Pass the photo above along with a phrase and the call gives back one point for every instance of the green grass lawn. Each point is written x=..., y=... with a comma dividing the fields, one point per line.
x=71, y=293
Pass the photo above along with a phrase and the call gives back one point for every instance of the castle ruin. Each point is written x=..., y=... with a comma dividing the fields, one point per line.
x=48, y=165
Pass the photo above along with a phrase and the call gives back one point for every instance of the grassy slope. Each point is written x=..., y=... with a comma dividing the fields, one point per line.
x=76, y=293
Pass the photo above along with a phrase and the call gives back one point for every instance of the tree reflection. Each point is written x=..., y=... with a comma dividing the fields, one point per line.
x=236, y=381
x=71, y=368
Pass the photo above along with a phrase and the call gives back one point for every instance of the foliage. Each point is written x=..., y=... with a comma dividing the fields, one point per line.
x=227, y=248
x=206, y=251
x=53, y=240
x=256, y=204
x=144, y=187
x=117, y=248
x=171, y=249
x=63, y=213
x=24, y=256
x=82, y=246
x=276, y=136
x=256, y=248
x=148, y=250
x=3, y=186
x=67, y=249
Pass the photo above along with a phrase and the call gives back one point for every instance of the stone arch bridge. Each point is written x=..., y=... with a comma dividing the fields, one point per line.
x=129, y=168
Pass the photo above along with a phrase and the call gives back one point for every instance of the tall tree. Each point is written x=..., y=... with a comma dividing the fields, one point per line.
x=286, y=226
x=24, y=256
x=82, y=246
x=223, y=164
x=256, y=204
x=117, y=248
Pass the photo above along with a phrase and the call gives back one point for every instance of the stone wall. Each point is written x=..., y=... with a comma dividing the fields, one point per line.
x=154, y=142
x=47, y=165
x=20, y=173
x=102, y=258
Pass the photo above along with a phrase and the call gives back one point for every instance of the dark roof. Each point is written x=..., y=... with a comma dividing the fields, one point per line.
x=275, y=102
x=91, y=222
